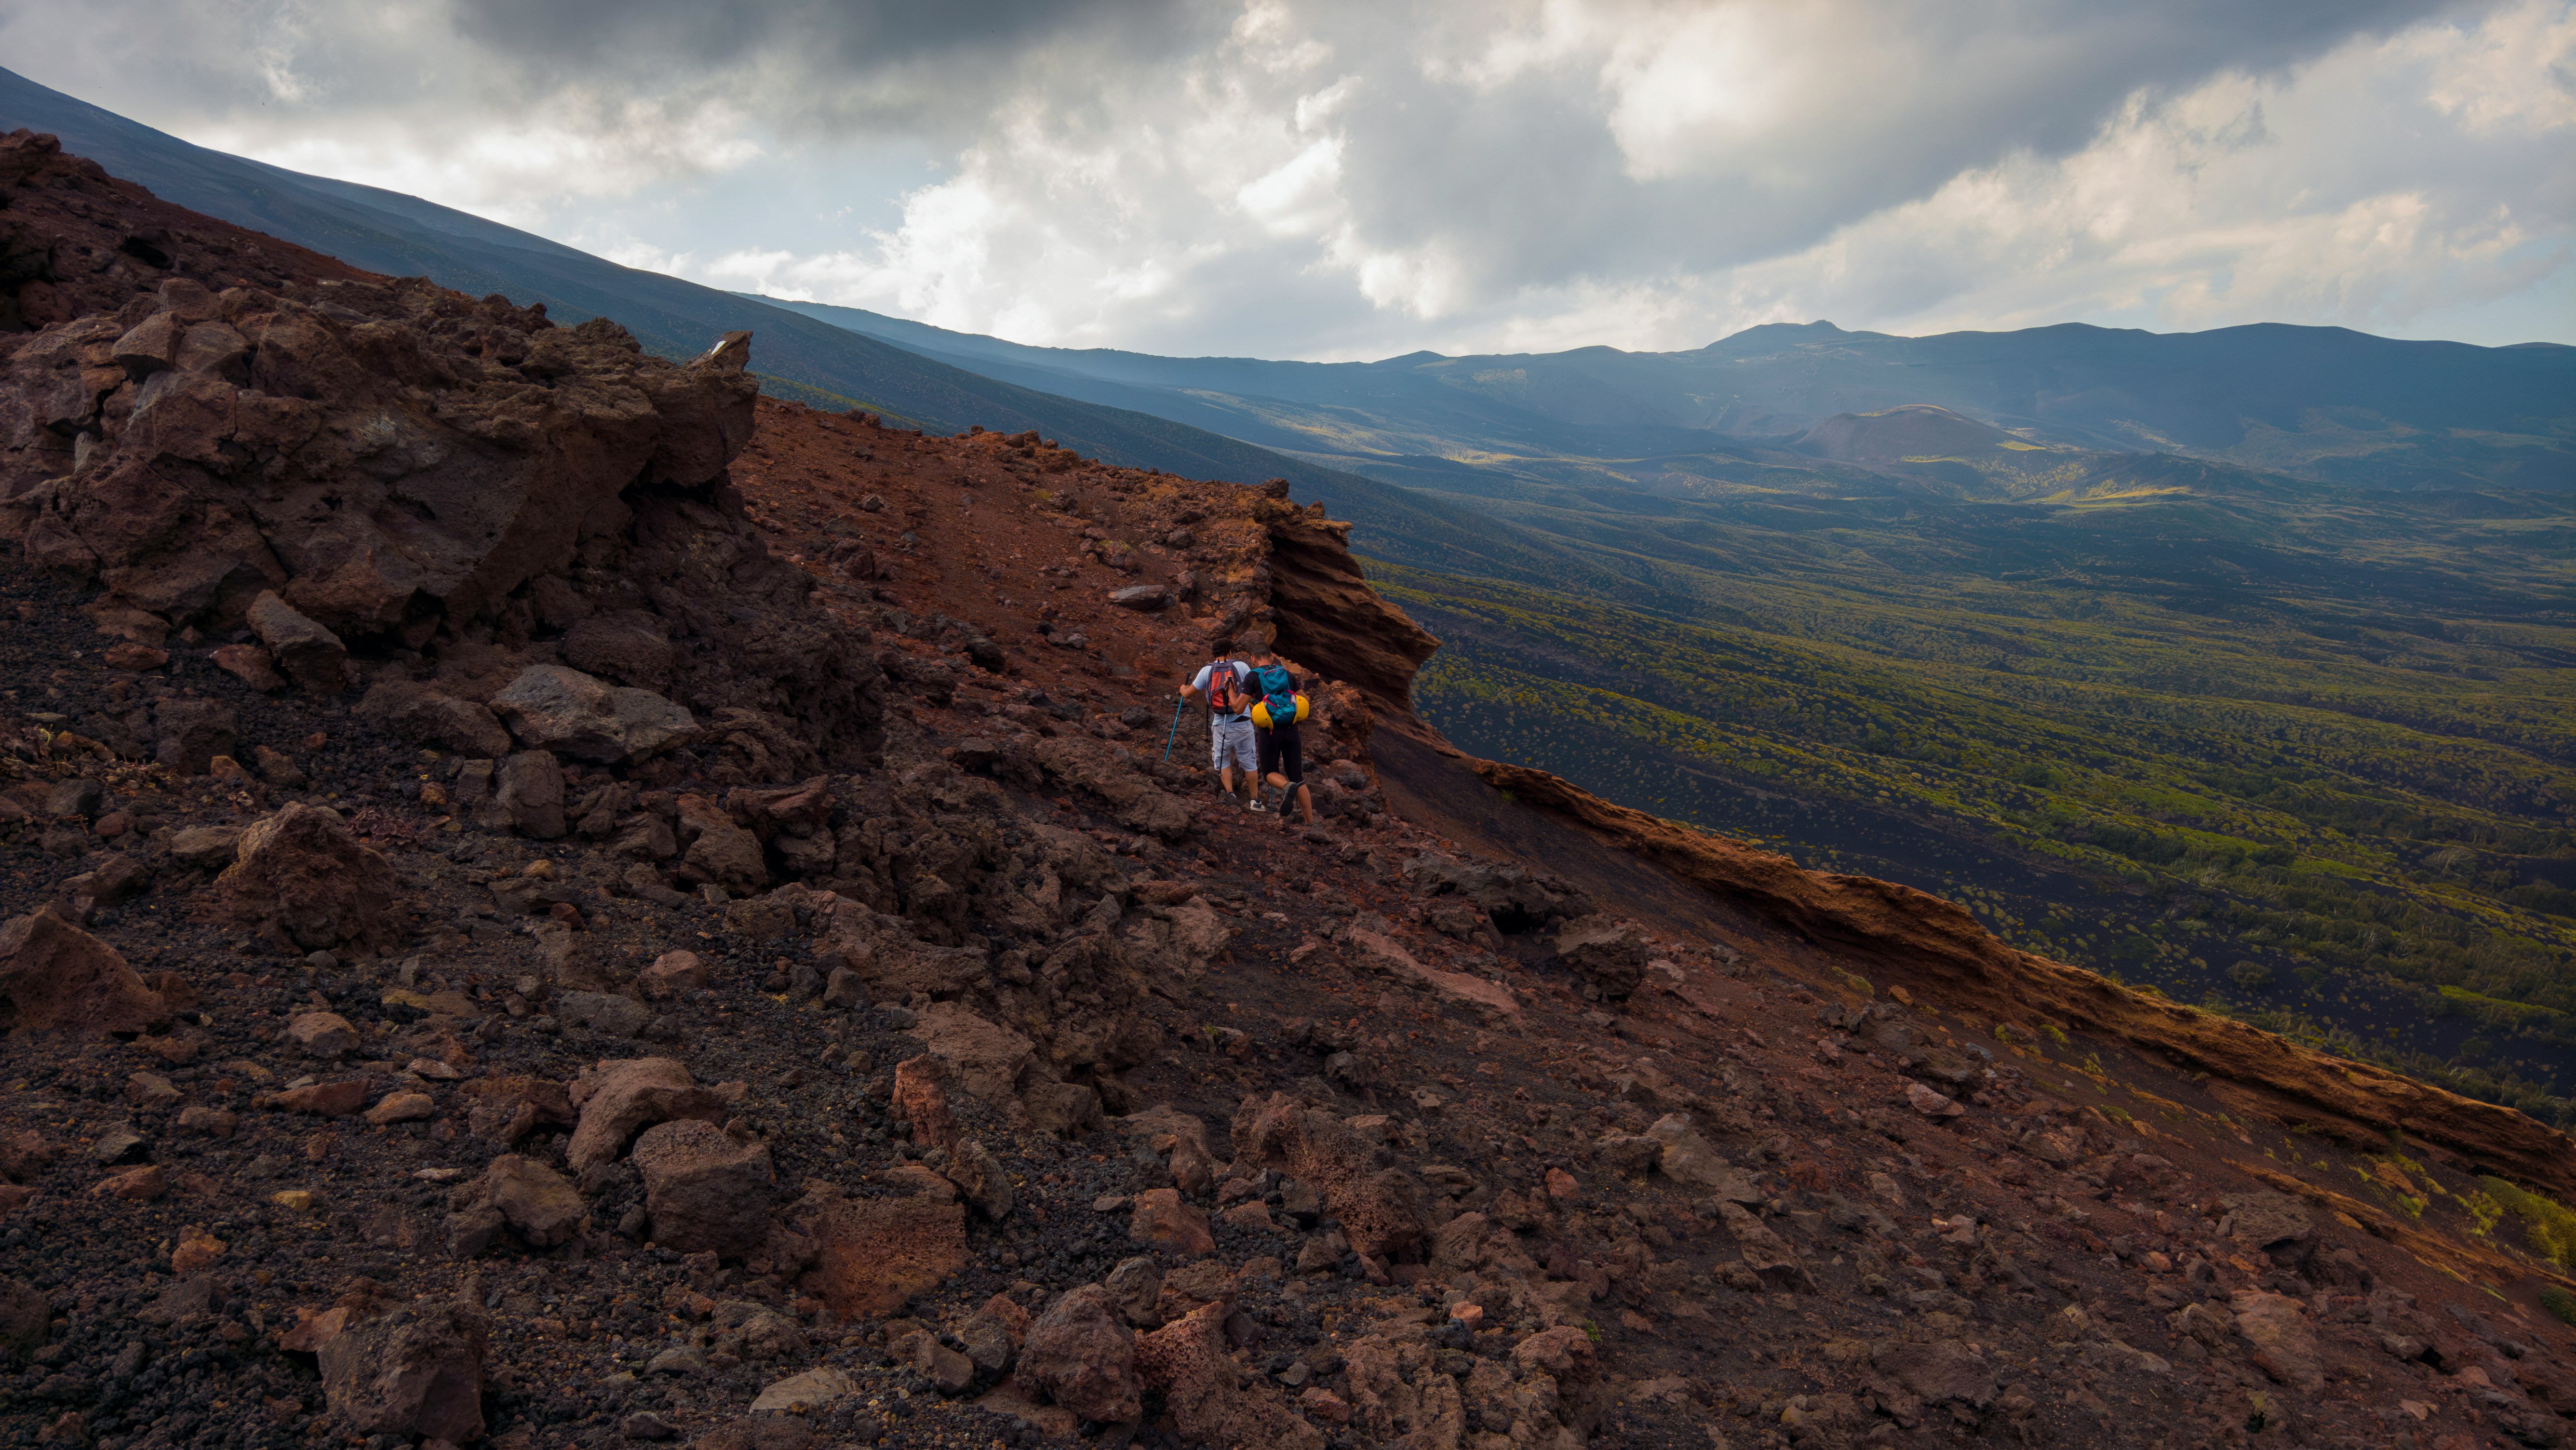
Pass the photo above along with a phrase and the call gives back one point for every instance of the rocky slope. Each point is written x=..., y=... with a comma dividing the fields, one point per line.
x=551, y=901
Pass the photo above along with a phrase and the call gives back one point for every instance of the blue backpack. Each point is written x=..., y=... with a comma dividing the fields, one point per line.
x=1279, y=698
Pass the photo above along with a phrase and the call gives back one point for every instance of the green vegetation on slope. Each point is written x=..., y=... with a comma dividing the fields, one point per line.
x=2308, y=758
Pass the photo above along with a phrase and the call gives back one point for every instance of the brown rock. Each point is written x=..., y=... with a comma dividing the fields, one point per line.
x=980, y=1178
x=1167, y=1221
x=139, y=1185
x=1136, y=1290
x=425, y=715
x=1608, y=954
x=197, y=1250
x=539, y=1204
x=529, y=793
x=506, y=1109
x=705, y=1190
x=1188, y=1360
x=211, y=1121
x=877, y=1253
x=1765, y=1253
x=130, y=655
x=1066, y=1109
x=921, y=1099
x=249, y=664
x=1084, y=1358
x=403, y=1108
x=56, y=977
x=990, y=1059
x=188, y=734
x=26, y=1314
x=412, y=1370
x=671, y=974
x=1380, y=1211
x=327, y=1099
x=562, y=710
x=2264, y=1218
x=326, y=1035
x=309, y=654
x=1942, y=1371
x=2284, y=1344
x=206, y=848
x=620, y=1098
x=300, y=873
x=721, y=851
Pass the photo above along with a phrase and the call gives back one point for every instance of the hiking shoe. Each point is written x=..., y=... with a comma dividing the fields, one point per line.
x=1256, y=806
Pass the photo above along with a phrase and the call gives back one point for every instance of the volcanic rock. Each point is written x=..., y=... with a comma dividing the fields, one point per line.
x=619, y=1099
x=300, y=873
x=705, y=1190
x=56, y=977
x=309, y=654
x=1084, y=1358
x=1191, y=1363
x=566, y=712
x=413, y=1370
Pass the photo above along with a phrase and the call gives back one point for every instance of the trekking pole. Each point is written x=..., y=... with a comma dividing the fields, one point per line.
x=1175, y=732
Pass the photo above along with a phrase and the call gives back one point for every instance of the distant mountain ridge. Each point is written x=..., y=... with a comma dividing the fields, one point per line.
x=2324, y=403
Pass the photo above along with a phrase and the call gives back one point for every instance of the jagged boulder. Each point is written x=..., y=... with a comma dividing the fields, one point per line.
x=540, y=1205
x=301, y=875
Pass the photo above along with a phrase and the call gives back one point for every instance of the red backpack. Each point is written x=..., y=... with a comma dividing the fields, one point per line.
x=1225, y=692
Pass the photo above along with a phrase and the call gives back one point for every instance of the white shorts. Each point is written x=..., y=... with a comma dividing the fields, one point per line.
x=1231, y=743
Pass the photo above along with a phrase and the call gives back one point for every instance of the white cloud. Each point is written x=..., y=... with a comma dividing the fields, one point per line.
x=1328, y=178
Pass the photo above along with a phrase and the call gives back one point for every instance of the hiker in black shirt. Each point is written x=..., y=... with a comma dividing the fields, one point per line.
x=1275, y=686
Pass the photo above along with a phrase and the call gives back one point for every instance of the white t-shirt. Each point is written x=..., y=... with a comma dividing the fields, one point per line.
x=1199, y=681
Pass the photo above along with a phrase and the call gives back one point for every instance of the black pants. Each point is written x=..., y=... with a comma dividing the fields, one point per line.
x=1278, y=749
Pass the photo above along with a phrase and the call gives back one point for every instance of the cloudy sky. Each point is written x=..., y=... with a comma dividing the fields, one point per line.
x=1306, y=178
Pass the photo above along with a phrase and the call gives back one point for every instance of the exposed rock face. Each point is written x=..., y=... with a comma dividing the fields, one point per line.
x=1608, y=954
x=56, y=977
x=300, y=873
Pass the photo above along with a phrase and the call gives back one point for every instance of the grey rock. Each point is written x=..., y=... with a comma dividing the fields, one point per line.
x=1135, y=1286
x=804, y=1393
x=609, y=1012
x=559, y=709
x=530, y=793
